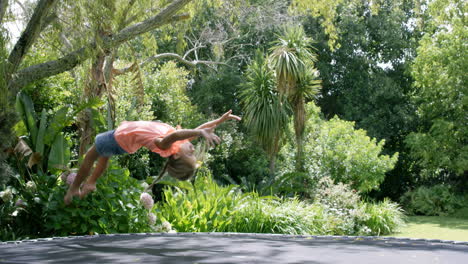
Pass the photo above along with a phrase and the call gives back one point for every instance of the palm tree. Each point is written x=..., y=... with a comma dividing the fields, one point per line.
x=293, y=61
x=266, y=112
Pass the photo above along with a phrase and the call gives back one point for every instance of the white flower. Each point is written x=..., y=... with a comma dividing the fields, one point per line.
x=146, y=200
x=15, y=213
x=167, y=226
x=151, y=218
x=6, y=195
x=31, y=186
x=37, y=199
x=144, y=185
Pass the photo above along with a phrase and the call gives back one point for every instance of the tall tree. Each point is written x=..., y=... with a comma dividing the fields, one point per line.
x=98, y=47
x=366, y=76
x=439, y=70
x=293, y=61
x=266, y=111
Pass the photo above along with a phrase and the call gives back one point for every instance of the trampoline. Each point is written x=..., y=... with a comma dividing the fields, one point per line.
x=231, y=248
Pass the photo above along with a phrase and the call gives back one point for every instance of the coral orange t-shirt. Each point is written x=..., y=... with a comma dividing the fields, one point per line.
x=132, y=135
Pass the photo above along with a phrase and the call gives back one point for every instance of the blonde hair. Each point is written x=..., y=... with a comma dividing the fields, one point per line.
x=180, y=168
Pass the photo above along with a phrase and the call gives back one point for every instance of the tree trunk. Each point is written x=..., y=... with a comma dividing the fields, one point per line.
x=95, y=87
x=273, y=154
x=299, y=124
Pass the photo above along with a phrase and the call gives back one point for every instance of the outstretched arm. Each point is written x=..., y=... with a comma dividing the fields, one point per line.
x=207, y=133
x=225, y=117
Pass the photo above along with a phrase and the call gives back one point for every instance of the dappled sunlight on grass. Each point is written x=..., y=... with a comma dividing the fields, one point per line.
x=435, y=227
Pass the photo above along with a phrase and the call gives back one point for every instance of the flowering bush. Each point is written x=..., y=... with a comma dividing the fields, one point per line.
x=147, y=201
x=35, y=208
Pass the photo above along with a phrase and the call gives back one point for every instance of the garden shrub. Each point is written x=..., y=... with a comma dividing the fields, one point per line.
x=207, y=207
x=381, y=218
x=35, y=208
x=349, y=155
x=203, y=206
x=335, y=148
x=434, y=200
x=238, y=160
x=113, y=208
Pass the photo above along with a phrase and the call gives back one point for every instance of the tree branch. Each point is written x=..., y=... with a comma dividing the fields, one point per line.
x=30, y=34
x=191, y=50
x=71, y=60
x=3, y=9
x=164, y=17
x=191, y=64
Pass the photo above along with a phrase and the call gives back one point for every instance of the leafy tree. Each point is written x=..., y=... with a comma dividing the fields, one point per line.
x=266, y=112
x=366, y=76
x=110, y=33
x=335, y=148
x=7, y=115
x=292, y=59
x=439, y=70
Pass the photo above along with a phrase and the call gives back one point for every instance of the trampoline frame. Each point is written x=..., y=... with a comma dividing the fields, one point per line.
x=401, y=240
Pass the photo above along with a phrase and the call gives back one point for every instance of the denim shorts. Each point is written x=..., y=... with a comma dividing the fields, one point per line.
x=107, y=146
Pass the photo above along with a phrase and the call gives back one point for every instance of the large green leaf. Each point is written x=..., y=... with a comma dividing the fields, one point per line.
x=63, y=118
x=60, y=153
x=25, y=108
x=41, y=133
x=57, y=123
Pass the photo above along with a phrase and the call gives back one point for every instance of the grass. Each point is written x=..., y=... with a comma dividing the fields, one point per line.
x=435, y=227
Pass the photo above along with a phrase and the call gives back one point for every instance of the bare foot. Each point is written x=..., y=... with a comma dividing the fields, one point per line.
x=87, y=188
x=70, y=194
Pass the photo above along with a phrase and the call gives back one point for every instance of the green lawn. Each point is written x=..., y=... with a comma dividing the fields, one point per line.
x=435, y=227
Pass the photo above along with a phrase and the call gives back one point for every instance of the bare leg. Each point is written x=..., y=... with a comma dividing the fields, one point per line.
x=74, y=190
x=90, y=184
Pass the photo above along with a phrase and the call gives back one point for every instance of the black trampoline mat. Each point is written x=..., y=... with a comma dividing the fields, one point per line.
x=232, y=248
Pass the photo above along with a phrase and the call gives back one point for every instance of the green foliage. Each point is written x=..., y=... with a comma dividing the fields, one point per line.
x=45, y=142
x=336, y=149
x=293, y=61
x=383, y=218
x=238, y=159
x=347, y=155
x=441, y=92
x=167, y=88
x=216, y=91
x=335, y=195
x=201, y=207
x=36, y=208
x=266, y=112
x=351, y=215
x=291, y=184
x=434, y=200
x=366, y=76
x=206, y=206
x=113, y=208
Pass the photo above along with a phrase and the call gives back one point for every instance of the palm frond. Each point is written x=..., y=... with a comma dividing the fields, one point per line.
x=266, y=112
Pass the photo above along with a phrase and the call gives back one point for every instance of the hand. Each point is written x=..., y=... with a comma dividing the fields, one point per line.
x=210, y=137
x=228, y=116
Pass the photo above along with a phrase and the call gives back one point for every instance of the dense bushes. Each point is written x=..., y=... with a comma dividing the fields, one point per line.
x=206, y=206
x=335, y=148
x=35, y=208
x=434, y=200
